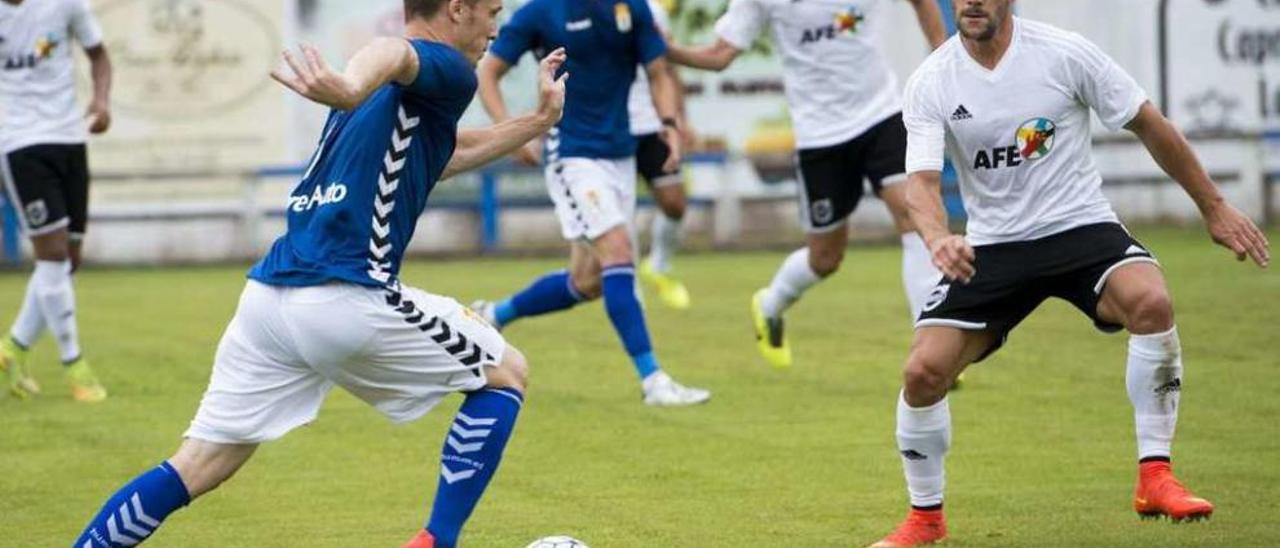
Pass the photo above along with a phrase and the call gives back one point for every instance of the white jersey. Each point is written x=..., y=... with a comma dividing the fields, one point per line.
x=839, y=83
x=37, y=81
x=1020, y=135
x=644, y=117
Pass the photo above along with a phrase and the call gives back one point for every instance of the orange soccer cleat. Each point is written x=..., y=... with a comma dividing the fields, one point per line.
x=1160, y=494
x=423, y=540
x=921, y=527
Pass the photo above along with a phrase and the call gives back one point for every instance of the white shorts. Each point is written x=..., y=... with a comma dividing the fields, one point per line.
x=592, y=196
x=401, y=351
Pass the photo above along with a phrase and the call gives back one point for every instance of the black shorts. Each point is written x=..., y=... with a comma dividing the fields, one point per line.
x=651, y=153
x=49, y=184
x=1014, y=278
x=831, y=178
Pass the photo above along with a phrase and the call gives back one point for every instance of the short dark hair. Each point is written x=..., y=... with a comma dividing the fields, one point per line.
x=425, y=8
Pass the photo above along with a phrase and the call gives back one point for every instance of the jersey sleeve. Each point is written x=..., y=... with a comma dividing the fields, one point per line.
x=84, y=25
x=518, y=36
x=926, y=126
x=442, y=72
x=741, y=24
x=1103, y=85
x=650, y=44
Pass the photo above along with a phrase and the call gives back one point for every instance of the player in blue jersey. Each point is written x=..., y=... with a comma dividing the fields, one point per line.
x=590, y=163
x=325, y=308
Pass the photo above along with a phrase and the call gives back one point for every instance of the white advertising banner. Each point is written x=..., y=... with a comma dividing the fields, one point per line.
x=192, y=86
x=1222, y=64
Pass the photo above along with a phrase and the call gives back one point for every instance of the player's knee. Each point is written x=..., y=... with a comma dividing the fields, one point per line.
x=825, y=262
x=1151, y=312
x=203, y=466
x=924, y=380
x=587, y=285
x=511, y=372
x=674, y=207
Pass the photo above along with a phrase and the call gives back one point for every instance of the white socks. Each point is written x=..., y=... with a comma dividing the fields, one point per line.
x=1154, y=380
x=924, y=435
x=665, y=236
x=30, y=321
x=55, y=300
x=794, y=277
x=919, y=276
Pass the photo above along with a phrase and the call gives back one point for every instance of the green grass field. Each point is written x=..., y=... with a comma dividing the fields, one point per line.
x=1043, y=450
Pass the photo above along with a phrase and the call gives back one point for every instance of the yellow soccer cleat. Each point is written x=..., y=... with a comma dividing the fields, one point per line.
x=671, y=291
x=84, y=384
x=13, y=364
x=770, y=336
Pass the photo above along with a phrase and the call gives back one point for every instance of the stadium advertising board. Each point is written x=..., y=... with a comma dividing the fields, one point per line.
x=192, y=86
x=1222, y=64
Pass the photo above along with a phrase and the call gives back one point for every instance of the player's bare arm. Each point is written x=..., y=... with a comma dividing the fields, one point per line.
x=100, y=70
x=489, y=73
x=951, y=253
x=383, y=61
x=666, y=100
x=477, y=147
x=930, y=17
x=717, y=56
x=1227, y=225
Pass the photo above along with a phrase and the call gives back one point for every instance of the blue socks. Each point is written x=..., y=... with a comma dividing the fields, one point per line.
x=628, y=317
x=472, y=450
x=550, y=293
x=136, y=510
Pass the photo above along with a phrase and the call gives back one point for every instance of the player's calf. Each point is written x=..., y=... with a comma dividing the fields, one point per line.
x=136, y=511
x=474, y=446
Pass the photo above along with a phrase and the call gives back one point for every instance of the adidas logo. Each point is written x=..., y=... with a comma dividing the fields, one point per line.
x=1170, y=387
x=1135, y=250
x=961, y=114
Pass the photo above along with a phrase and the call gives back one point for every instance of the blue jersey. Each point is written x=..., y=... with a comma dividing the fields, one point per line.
x=605, y=40
x=353, y=214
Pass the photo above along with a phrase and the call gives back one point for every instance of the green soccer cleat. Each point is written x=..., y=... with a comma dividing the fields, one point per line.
x=671, y=291
x=13, y=364
x=770, y=337
x=84, y=384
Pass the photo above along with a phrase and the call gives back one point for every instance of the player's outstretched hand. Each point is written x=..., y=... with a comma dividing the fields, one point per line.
x=312, y=78
x=954, y=257
x=551, y=88
x=1233, y=230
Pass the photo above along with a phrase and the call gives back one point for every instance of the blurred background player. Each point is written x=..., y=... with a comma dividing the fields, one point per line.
x=847, y=117
x=591, y=167
x=325, y=305
x=666, y=187
x=1009, y=101
x=45, y=167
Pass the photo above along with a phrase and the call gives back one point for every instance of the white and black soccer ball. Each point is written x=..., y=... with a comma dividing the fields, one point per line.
x=558, y=541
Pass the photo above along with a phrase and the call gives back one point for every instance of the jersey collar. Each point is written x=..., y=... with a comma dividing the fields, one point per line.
x=1005, y=61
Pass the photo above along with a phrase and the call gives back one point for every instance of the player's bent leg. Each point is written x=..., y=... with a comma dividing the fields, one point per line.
x=136, y=511
x=800, y=271
x=665, y=239
x=550, y=293
x=1137, y=297
x=613, y=250
x=473, y=449
x=55, y=294
x=938, y=355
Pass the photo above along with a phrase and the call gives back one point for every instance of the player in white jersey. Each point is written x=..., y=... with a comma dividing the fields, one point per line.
x=44, y=166
x=846, y=112
x=667, y=187
x=1009, y=102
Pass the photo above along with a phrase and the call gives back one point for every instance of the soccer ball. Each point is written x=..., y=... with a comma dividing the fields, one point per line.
x=558, y=541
